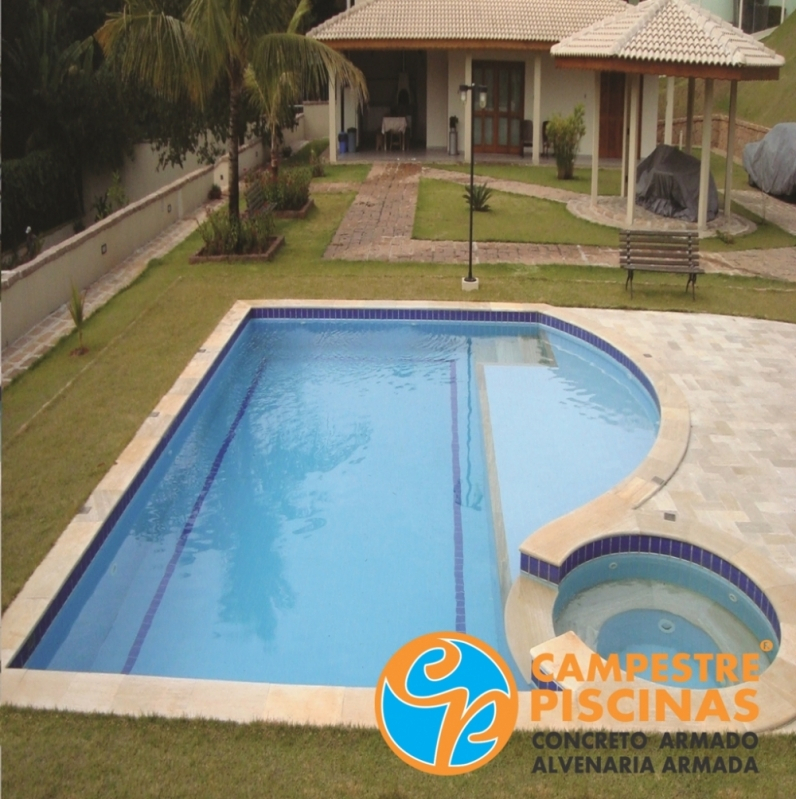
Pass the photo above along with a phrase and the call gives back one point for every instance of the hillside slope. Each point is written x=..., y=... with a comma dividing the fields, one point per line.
x=763, y=102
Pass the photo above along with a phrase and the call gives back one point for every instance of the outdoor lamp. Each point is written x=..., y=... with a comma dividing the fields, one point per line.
x=469, y=283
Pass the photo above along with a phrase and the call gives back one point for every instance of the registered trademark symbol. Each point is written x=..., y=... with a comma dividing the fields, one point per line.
x=766, y=645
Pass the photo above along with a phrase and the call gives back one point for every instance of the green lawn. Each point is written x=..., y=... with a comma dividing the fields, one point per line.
x=344, y=173
x=544, y=176
x=67, y=419
x=50, y=754
x=443, y=215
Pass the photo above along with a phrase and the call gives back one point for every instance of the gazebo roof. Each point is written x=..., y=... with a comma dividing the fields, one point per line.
x=669, y=37
x=452, y=23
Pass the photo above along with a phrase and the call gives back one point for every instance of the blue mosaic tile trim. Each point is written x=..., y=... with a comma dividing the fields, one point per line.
x=545, y=685
x=458, y=537
x=656, y=545
x=412, y=314
x=38, y=632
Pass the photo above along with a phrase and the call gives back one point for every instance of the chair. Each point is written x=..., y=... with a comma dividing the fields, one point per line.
x=527, y=133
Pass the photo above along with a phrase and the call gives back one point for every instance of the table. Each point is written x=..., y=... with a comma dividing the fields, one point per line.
x=393, y=125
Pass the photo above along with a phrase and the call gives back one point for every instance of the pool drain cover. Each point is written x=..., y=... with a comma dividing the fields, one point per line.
x=666, y=626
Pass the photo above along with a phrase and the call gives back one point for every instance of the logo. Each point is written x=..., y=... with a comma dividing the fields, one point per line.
x=446, y=703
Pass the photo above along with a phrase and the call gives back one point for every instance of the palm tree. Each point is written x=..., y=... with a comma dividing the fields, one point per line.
x=217, y=42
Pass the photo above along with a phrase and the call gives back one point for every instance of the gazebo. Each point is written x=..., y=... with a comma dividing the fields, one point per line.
x=676, y=39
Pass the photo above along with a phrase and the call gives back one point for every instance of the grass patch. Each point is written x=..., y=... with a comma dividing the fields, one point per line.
x=344, y=173
x=610, y=179
x=47, y=754
x=443, y=215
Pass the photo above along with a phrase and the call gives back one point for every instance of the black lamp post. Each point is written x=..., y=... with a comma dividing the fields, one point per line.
x=481, y=91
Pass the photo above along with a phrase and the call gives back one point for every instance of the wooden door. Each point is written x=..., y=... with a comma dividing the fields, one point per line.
x=612, y=112
x=498, y=127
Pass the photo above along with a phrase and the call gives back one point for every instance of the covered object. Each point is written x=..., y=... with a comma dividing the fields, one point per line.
x=771, y=162
x=668, y=185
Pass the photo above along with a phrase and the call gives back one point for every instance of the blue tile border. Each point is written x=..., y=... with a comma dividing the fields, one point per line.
x=551, y=572
x=665, y=547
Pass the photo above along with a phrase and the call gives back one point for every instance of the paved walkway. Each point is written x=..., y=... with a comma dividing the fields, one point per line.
x=374, y=230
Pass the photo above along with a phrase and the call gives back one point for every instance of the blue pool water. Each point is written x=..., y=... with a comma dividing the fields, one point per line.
x=325, y=500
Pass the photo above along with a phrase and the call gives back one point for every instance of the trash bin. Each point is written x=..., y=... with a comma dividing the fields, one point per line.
x=453, y=142
x=342, y=143
x=352, y=140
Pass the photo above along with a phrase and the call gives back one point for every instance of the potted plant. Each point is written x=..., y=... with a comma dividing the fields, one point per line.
x=453, y=136
x=565, y=134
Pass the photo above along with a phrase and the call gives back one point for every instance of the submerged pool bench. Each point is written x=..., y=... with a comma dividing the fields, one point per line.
x=660, y=251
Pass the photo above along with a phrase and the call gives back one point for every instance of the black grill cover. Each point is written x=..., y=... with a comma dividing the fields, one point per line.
x=771, y=162
x=667, y=184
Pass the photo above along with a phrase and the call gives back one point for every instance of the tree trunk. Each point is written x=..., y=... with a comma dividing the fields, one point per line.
x=274, y=152
x=235, y=91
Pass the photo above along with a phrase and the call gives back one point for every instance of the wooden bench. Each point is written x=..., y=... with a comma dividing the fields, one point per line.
x=663, y=251
x=255, y=200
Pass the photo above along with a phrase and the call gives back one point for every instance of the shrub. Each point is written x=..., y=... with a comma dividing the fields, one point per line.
x=316, y=164
x=224, y=236
x=215, y=192
x=113, y=199
x=481, y=195
x=289, y=190
x=565, y=134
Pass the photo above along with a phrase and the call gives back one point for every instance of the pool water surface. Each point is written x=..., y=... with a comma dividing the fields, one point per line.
x=326, y=499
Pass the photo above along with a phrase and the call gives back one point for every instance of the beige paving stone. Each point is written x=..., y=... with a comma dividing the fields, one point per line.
x=305, y=704
x=359, y=707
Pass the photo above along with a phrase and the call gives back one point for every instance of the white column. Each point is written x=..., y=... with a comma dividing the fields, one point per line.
x=468, y=126
x=632, y=150
x=730, y=151
x=704, y=171
x=625, y=119
x=689, y=114
x=595, y=139
x=740, y=13
x=537, y=108
x=334, y=120
x=667, y=129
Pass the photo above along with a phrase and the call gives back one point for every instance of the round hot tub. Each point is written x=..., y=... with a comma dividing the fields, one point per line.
x=634, y=602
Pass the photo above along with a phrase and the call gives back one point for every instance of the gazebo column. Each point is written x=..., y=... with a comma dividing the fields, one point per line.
x=667, y=128
x=595, y=139
x=537, y=108
x=632, y=150
x=730, y=152
x=625, y=117
x=334, y=119
x=689, y=114
x=704, y=172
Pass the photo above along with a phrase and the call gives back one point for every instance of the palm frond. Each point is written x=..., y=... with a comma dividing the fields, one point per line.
x=313, y=61
x=147, y=45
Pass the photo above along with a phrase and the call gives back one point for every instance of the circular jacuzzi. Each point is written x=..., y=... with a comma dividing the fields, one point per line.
x=635, y=602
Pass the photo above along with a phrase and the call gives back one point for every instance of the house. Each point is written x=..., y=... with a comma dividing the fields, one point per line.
x=416, y=53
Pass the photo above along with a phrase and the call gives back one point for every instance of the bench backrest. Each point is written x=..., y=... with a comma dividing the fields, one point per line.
x=255, y=197
x=670, y=248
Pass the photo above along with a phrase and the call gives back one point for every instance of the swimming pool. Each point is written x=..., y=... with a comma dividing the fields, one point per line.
x=286, y=531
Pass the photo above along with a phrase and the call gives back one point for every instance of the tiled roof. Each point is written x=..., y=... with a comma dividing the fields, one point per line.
x=670, y=31
x=498, y=20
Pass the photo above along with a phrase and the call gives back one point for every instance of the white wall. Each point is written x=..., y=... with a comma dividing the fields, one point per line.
x=41, y=286
x=316, y=120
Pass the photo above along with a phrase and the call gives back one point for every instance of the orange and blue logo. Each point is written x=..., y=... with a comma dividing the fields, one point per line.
x=446, y=703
